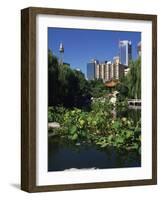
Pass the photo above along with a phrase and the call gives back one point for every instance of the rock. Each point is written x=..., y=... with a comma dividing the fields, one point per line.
x=53, y=125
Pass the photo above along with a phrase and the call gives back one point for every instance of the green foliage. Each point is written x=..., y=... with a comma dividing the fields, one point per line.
x=83, y=119
x=53, y=73
x=97, y=88
x=55, y=114
x=66, y=87
x=51, y=114
x=133, y=79
x=98, y=126
x=123, y=91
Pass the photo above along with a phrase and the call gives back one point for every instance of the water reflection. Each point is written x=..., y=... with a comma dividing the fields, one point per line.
x=63, y=155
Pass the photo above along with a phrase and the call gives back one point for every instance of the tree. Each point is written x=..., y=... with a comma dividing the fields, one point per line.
x=97, y=88
x=133, y=79
x=66, y=87
x=123, y=91
x=53, y=82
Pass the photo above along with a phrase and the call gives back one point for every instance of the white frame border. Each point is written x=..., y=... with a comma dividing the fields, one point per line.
x=43, y=177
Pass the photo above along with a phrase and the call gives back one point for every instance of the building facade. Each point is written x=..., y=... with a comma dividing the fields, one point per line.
x=102, y=71
x=97, y=71
x=125, y=52
x=106, y=71
x=119, y=69
x=92, y=71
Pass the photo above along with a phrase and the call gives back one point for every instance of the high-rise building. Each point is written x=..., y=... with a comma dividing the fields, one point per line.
x=97, y=71
x=91, y=69
x=118, y=68
x=125, y=51
x=118, y=71
x=139, y=49
x=106, y=71
x=102, y=71
x=116, y=59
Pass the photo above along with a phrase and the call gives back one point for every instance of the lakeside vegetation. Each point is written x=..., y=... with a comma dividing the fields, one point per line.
x=97, y=126
x=84, y=110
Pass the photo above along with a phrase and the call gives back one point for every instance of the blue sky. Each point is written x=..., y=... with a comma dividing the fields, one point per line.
x=80, y=46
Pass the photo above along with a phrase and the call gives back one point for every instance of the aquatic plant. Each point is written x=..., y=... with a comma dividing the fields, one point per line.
x=99, y=126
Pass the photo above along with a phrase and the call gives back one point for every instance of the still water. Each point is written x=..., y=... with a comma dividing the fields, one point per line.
x=63, y=155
